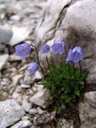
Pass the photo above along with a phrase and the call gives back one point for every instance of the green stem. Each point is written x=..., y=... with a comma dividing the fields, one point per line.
x=38, y=60
x=80, y=69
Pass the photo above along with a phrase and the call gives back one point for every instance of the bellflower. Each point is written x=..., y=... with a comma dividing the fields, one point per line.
x=69, y=59
x=74, y=55
x=23, y=50
x=45, y=48
x=58, y=47
x=33, y=68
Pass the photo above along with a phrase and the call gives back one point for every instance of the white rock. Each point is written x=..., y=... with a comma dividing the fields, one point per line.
x=15, y=18
x=87, y=115
x=33, y=111
x=3, y=60
x=13, y=57
x=25, y=86
x=91, y=98
x=22, y=124
x=40, y=111
x=5, y=34
x=19, y=35
x=16, y=79
x=37, y=76
x=40, y=97
x=26, y=105
x=10, y=112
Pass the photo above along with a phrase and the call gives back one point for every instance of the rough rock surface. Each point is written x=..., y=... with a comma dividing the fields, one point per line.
x=75, y=24
x=87, y=111
x=3, y=60
x=10, y=112
x=40, y=97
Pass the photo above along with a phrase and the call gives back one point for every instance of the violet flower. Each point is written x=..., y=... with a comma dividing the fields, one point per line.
x=74, y=55
x=58, y=47
x=23, y=50
x=45, y=48
x=33, y=68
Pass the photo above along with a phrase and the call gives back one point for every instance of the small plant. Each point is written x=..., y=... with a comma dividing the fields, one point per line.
x=65, y=83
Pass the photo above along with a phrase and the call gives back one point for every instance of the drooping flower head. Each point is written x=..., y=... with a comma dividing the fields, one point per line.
x=69, y=59
x=58, y=47
x=74, y=55
x=23, y=50
x=45, y=48
x=33, y=68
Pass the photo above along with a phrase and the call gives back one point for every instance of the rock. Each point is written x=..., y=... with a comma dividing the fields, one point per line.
x=22, y=124
x=28, y=79
x=26, y=105
x=25, y=86
x=33, y=111
x=87, y=115
x=3, y=60
x=40, y=97
x=13, y=57
x=16, y=79
x=15, y=18
x=74, y=29
x=40, y=111
x=19, y=35
x=17, y=96
x=5, y=34
x=91, y=98
x=63, y=123
x=37, y=76
x=10, y=112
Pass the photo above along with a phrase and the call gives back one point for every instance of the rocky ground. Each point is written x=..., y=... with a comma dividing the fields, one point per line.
x=21, y=98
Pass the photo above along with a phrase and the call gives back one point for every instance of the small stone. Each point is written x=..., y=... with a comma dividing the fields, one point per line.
x=5, y=34
x=40, y=97
x=22, y=124
x=91, y=98
x=37, y=76
x=19, y=35
x=15, y=18
x=3, y=60
x=16, y=79
x=26, y=105
x=25, y=86
x=25, y=118
x=33, y=111
x=13, y=57
x=28, y=80
x=40, y=111
x=10, y=112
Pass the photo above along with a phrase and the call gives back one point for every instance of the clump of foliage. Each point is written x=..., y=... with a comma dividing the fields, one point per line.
x=65, y=83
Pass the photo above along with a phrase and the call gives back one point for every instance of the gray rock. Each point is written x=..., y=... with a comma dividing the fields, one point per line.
x=19, y=35
x=5, y=34
x=28, y=79
x=26, y=105
x=16, y=79
x=63, y=123
x=22, y=124
x=40, y=97
x=3, y=60
x=33, y=111
x=71, y=25
x=10, y=112
x=91, y=98
x=87, y=115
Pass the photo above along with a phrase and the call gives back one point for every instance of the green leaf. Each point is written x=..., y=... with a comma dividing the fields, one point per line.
x=67, y=99
x=49, y=101
x=58, y=110
x=77, y=92
x=63, y=106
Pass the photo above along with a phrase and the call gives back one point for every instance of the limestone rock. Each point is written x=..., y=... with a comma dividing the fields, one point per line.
x=10, y=112
x=22, y=124
x=5, y=34
x=91, y=98
x=40, y=97
x=87, y=115
x=73, y=22
x=3, y=59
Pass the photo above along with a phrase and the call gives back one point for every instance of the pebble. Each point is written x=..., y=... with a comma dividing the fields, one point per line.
x=3, y=60
x=33, y=111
